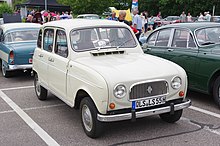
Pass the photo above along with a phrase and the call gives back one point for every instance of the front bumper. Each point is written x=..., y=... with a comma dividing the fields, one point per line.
x=19, y=67
x=145, y=113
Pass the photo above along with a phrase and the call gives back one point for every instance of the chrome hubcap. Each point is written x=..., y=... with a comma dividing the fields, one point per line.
x=87, y=118
x=3, y=69
x=37, y=85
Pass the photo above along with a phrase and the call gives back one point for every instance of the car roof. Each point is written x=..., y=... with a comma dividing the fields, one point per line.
x=192, y=26
x=87, y=15
x=82, y=23
x=9, y=26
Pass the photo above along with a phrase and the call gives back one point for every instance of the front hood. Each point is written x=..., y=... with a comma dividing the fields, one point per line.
x=130, y=67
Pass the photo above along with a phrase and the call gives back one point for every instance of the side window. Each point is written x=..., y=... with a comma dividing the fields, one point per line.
x=61, y=44
x=152, y=39
x=191, y=43
x=182, y=39
x=163, y=37
x=8, y=38
x=48, y=40
x=39, y=40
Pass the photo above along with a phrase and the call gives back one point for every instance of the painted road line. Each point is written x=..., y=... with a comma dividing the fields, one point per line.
x=9, y=111
x=16, y=88
x=43, y=107
x=33, y=125
x=205, y=111
x=34, y=108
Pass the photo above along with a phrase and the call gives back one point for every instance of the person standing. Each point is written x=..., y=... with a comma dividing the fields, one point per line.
x=113, y=17
x=201, y=17
x=183, y=17
x=137, y=22
x=121, y=17
x=189, y=17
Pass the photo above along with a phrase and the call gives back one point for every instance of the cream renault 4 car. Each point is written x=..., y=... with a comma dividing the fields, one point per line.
x=98, y=66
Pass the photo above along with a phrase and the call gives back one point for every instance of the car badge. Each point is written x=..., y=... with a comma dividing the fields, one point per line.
x=149, y=89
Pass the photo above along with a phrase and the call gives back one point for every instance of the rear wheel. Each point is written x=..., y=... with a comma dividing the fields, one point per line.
x=171, y=118
x=92, y=127
x=40, y=91
x=216, y=91
x=5, y=73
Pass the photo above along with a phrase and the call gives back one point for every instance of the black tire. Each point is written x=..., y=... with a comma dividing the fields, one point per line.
x=171, y=118
x=92, y=127
x=40, y=91
x=216, y=91
x=5, y=73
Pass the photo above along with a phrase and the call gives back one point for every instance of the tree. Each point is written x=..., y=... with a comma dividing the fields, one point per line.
x=5, y=8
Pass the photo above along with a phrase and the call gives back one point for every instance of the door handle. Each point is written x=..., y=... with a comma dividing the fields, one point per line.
x=40, y=55
x=170, y=50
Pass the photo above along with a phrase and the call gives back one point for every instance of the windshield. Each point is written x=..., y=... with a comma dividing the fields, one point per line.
x=21, y=35
x=207, y=36
x=101, y=38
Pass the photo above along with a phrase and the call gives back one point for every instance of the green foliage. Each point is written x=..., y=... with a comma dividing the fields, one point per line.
x=5, y=8
x=167, y=7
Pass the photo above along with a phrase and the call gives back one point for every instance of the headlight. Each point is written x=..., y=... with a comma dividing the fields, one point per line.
x=120, y=91
x=176, y=83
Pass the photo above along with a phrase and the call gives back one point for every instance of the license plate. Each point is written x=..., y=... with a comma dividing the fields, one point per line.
x=30, y=60
x=150, y=102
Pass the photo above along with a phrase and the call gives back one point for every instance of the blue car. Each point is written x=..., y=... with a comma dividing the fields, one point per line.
x=17, y=44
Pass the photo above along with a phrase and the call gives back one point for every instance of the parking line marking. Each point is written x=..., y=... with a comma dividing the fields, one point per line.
x=9, y=111
x=16, y=88
x=205, y=111
x=33, y=125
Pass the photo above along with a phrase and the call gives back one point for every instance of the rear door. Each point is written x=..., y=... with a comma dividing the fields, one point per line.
x=43, y=53
x=183, y=51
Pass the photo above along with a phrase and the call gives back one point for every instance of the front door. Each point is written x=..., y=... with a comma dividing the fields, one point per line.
x=57, y=70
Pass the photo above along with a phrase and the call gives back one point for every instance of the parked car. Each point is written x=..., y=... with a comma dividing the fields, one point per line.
x=98, y=66
x=215, y=19
x=88, y=16
x=195, y=47
x=17, y=44
x=168, y=20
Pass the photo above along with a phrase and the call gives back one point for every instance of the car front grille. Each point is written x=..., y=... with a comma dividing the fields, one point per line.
x=148, y=89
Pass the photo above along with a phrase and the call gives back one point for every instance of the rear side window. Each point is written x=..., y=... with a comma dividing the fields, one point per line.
x=61, y=44
x=182, y=39
x=48, y=40
x=163, y=37
x=39, y=40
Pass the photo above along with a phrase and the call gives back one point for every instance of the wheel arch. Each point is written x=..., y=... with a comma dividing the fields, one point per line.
x=212, y=81
x=81, y=93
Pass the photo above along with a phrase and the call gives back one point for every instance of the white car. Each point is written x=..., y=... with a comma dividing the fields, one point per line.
x=98, y=66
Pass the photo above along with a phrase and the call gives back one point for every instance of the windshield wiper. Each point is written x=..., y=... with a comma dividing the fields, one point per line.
x=124, y=43
x=207, y=43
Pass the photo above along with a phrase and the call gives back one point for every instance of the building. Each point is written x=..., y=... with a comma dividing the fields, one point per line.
x=8, y=1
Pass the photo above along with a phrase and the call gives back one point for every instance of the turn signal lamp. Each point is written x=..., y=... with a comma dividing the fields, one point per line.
x=181, y=93
x=111, y=105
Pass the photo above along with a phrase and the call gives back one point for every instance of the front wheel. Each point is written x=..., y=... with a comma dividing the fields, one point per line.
x=92, y=127
x=171, y=118
x=40, y=91
x=216, y=91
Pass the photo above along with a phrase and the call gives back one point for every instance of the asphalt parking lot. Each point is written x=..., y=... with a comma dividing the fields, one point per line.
x=25, y=121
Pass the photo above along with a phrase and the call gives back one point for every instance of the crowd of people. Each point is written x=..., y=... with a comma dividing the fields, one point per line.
x=46, y=16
